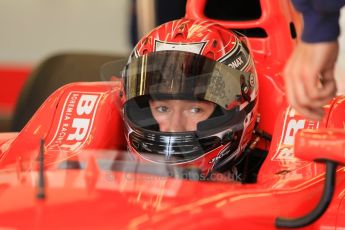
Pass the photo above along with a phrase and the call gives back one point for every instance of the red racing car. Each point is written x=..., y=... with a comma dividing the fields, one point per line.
x=67, y=168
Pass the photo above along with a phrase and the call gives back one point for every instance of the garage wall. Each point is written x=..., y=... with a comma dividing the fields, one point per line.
x=30, y=30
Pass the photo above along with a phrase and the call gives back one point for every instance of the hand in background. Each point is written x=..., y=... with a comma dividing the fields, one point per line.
x=309, y=77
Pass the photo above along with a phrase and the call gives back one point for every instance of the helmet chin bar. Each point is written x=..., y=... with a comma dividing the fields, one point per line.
x=225, y=159
x=182, y=147
x=172, y=149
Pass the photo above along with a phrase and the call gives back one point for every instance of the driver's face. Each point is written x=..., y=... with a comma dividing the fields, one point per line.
x=180, y=115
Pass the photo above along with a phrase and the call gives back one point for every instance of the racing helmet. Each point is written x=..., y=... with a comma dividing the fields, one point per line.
x=193, y=60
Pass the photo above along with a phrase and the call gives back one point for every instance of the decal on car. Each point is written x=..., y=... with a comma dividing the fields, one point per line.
x=292, y=123
x=75, y=121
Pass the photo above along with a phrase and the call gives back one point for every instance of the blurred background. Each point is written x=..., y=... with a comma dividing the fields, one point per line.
x=65, y=35
x=32, y=31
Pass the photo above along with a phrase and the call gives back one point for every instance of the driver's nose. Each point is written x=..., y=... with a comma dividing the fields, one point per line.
x=178, y=123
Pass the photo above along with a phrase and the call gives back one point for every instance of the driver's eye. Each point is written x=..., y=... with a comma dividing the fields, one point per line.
x=196, y=110
x=162, y=109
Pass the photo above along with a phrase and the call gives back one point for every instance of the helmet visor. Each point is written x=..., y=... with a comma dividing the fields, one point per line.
x=184, y=75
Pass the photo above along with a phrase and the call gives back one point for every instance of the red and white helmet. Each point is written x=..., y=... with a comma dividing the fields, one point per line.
x=192, y=60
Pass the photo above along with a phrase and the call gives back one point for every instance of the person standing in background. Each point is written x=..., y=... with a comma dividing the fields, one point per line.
x=147, y=14
x=309, y=72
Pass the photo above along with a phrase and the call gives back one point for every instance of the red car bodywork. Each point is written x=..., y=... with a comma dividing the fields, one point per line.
x=80, y=118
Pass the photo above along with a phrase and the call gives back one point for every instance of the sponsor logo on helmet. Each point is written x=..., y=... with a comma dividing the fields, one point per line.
x=187, y=47
x=236, y=59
